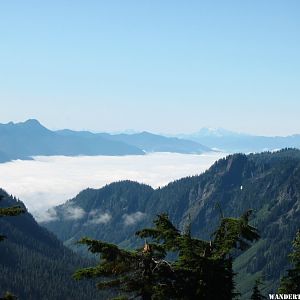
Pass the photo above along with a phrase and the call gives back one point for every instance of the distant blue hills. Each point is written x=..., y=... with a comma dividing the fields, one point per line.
x=229, y=141
x=30, y=138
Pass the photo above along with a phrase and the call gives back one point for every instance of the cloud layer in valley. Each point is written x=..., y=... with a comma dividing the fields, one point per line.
x=49, y=181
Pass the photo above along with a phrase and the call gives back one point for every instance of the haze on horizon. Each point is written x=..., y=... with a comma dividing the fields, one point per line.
x=159, y=66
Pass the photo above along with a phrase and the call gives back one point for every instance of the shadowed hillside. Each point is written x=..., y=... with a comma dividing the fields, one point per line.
x=34, y=264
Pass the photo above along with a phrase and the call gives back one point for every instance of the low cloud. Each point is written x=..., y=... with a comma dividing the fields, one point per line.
x=47, y=216
x=47, y=181
x=98, y=217
x=71, y=212
x=68, y=212
x=131, y=219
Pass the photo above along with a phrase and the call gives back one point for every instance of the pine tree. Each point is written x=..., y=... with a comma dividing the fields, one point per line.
x=204, y=268
x=290, y=284
x=256, y=294
x=200, y=269
x=9, y=211
x=128, y=271
x=9, y=296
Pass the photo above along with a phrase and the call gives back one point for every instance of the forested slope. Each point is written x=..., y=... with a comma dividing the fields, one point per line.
x=34, y=264
x=268, y=183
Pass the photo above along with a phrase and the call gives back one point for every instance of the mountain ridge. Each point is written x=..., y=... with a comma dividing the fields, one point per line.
x=268, y=182
x=147, y=141
x=230, y=141
x=30, y=138
x=34, y=263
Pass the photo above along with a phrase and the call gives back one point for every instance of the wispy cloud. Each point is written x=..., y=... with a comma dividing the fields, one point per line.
x=131, y=219
x=46, y=216
x=72, y=212
x=67, y=212
x=98, y=217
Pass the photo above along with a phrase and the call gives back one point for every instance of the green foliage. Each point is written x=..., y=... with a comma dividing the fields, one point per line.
x=290, y=284
x=128, y=271
x=116, y=199
x=9, y=211
x=234, y=233
x=256, y=293
x=270, y=186
x=34, y=264
x=201, y=270
x=9, y=296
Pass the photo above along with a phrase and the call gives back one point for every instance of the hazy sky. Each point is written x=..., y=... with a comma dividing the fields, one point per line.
x=162, y=66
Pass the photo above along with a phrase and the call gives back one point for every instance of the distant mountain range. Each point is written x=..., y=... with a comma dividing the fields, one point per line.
x=268, y=183
x=145, y=141
x=30, y=138
x=229, y=141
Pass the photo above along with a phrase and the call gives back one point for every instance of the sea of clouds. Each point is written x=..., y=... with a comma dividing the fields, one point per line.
x=47, y=181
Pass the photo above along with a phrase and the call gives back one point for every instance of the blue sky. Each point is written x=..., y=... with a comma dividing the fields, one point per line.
x=162, y=66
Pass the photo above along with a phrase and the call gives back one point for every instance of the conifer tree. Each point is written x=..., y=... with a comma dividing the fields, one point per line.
x=290, y=284
x=201, y=270
x=128, y=271
x=9, y=211
x=256, y=294
x=204, y=268
x=9, y=296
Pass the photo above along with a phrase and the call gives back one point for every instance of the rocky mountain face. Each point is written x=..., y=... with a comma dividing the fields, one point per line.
x=268, y=183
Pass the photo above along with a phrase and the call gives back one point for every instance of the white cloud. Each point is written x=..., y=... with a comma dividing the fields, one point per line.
x=47, y=216
x=131, y=219
x=97, y=217
x=51, y=180
x=71, y=212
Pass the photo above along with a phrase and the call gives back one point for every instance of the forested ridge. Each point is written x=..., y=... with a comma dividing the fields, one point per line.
x=34, y=264
x=268, y=183
x=198, y=269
